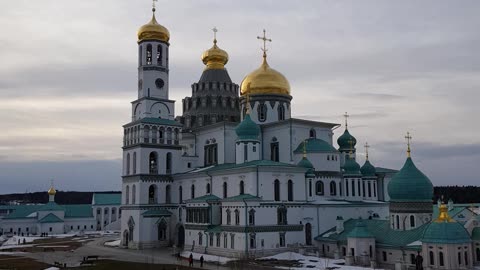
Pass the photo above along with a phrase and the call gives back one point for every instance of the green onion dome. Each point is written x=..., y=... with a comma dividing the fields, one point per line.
x=445, y=230
x=410, y=184
x=314, y=145
x=305, y=163
x=368, y=169
x=247, y=129
x=344, y=141
x=351, y=166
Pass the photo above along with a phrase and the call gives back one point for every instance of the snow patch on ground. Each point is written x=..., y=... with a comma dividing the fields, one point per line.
x=206, y=257
x=114, y=243
x=14, y=240
x=15, y=246
x=310, y=262
x=52, y=268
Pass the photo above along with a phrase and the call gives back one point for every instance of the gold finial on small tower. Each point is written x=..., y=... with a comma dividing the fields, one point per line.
x=215, y=30
x=443, y=216
x=366, y=149
x=408, y=138
x=52, y=190
x=346, y=119
x=265, y=39
x=153, y=5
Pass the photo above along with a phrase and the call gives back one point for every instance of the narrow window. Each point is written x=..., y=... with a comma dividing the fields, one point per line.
x=208, y=188
x=440, y=258
x=276, y=190
x=153, y=163
x=225, y=239
x=319, y=188
x=152, y=194
x=290, y=190
x=229, y=217
x=466, y=258
x=169, y=163
x=242, y=187
x=262, y=112
x=251, y=217
x=167, y=194
x=333, y=188
x=149, y=54
x=134, y=162
x=192, y=192
x=431, y=258
x=180, y=194
x=253, y=241
x=398, y=221
x=353, y=187
x=369, y=184
x=232, y=241
x=313, y=133
x=282, y=239
x=310, y=188
x=459, y=258
x=245, y=152
x=237, y=217
x=159, y=55
x=281, y=112
x=225, y=194
x=384, y=256
x=346, y=187
x=412, y=221
x=134, y=191
x=274, y=151
x=128, y=163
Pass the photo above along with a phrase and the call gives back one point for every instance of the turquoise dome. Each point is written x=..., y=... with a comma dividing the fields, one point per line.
x=351, y=166
x=445, y=232
x=314, y=145
x=247, y=129
x=305, y=163
x=410, y=184
x=344, y=141
x=368, y=169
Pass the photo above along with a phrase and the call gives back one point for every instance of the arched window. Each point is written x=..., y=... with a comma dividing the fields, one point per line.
x=159, y=55
x=225, y=187
x=313, y=133
x=168, y=198
x=310, y=188
x=412, y=221
x=169, y=163
x=397, y=221
x=134, y=191
x=251, y=217
x=200, y=239
x=431, y=258
x=237, y=217
x=276, y=190
x=353, y=187
x=319, y=188
x=459, y=258
x=127, y=195
x=333, y=188
x=262, y=112
x=290, y=190
x=466, y=258
x=146, y=134
x=149, y=54
x=242, y=187
x=274, y=150
x=134, y=162
x=162, y=230
x=440, y=258
x=128, y=163
x=282, y=215
x=281, y=112
x=208, y=188
x=229, y=217
x=152, y=194
x=192, y=192
x=180, y=194
x=153, y=163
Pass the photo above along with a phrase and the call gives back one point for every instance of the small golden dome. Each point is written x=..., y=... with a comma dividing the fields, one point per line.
x=52, y=191
x=215, y=58
x=265, y=80
x=153, y=31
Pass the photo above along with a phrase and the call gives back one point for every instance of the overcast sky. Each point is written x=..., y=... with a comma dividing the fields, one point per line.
x=68, y=73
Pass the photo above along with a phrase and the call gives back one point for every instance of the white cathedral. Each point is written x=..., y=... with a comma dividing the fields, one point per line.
x=235, y=175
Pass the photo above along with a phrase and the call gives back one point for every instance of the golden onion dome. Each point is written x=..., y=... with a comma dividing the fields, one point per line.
x=52, y=191
x=215, y=58
x=153, y=31
x=265, y=80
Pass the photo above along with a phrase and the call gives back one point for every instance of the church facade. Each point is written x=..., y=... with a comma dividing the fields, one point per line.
x=235, y=175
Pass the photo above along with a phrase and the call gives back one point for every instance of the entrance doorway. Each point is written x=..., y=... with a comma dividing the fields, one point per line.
x=308, y=234
x=180, y=236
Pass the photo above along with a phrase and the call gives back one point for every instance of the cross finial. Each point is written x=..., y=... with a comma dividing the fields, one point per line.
x=265, y=39
x=408, y=138
x=153, y=5
x=215, y=30
x=346, y=115
x=366, y=149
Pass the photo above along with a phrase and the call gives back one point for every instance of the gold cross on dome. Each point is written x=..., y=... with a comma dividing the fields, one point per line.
x=408, y=138
x=346, y=115
x=153, y=5
x=265, y=39
x=215, y=30
x=366, y=149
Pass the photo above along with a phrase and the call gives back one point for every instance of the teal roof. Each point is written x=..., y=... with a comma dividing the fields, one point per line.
x=254, y=163
x=314, y=145
x=360, y=231
x=385, y=170
x=51, y=206
x=351, y=166
x=476, y=234
x=344, y=141
x=445, y=233
x=247, y=129
x=78, y=210
x=159, y=121
x=305, y=163
x=381, y=231
x=410, y=184
x=204, y=198
x=242, y=197
x=50, y=218
x=107, y=199
x=157, y=213
x=23, y=211
x=368, y=169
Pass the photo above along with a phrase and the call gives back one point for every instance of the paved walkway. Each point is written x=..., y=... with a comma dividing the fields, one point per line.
x=96, y=247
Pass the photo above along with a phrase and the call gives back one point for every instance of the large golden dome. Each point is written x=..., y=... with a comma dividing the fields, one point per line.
x=153, y=31
x=52, y=191
x=215, y=58
x=265, y=80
